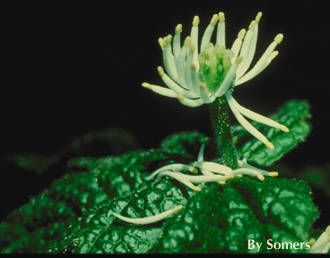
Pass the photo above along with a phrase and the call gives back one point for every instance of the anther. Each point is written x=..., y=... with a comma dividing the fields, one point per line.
x=178, y=28
x=272, y=174
x=202, y=86
x=252, y=25
x=180, y=98
x=193, y=170
x=167, y=40
x=258, y=17
x=261, y=177
x=214, y=19
x=160, y=71
x=195, y=21
x=284, y=129
x=241, y=34
x=146, y=85
x=221, y=17
x=273, y=55
x=279, y=38
x=270, y=146
x=161, y=42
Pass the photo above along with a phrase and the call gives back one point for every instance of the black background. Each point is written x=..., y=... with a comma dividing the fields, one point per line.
x=72, y=67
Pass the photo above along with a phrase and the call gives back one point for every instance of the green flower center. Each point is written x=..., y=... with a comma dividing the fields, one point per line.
x=214, y=63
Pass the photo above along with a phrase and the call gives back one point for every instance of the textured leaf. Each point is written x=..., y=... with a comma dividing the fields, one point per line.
x=73, y=214
x=222, y=219
x=295, y=115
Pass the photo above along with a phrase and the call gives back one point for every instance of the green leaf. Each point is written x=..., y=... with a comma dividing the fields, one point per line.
x=74, y=214
x=222, y=219
x=295, y=115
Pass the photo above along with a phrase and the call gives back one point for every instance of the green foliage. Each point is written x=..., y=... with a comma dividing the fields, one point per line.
x=73, y=214
x=295, y=115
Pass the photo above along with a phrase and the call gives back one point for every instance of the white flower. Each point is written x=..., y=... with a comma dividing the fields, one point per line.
x=210, y=172
x=197, y=74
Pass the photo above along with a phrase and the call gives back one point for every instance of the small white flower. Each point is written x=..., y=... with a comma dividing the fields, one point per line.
x=197, y=74
x=210, y=172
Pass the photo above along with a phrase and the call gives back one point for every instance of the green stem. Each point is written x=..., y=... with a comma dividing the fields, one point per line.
x=220, y=120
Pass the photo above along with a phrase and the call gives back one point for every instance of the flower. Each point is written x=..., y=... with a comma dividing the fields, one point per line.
x=210, y=172
x=198, y=74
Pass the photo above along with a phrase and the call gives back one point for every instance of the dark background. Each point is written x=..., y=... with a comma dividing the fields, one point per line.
x=73, y=67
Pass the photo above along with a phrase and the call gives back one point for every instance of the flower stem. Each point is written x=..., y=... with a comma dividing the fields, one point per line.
x=220, y=120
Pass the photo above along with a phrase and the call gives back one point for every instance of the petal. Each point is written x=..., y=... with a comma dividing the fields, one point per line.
x=221, y=31
x=160, y=90
x=208, y=32
x=247, y=125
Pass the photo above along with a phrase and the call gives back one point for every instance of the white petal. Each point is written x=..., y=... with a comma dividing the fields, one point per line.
x=221, y=31
x=204, y=93
x=236, y=47
x=248, y=56
x=259, y=118
x=250, y=75
x=177, y=40
x=172, y=167
x=195, y=79
x=188, y=66
x=204, y=178
x=148, y=220
x=194, y=39
x=180, y=177
x=249, y=172
x=180, y=64
x=160, y=90
x=168, y=57
x=322, y=244
x=190, y=102
x=174, y=86
x=263, y=59
x=214, y=167
x=247, y=125
x=208, y=32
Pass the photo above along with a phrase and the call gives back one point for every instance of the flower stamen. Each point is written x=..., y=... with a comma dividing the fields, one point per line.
x=236, y=47
x=177, y=40
x=208, y=32
x=260, y=65
x=221, y=31
x=160, y=90
x=247, y=125
x=259, y=118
